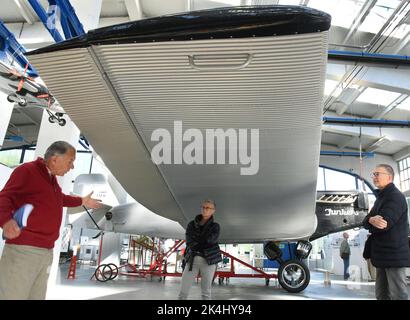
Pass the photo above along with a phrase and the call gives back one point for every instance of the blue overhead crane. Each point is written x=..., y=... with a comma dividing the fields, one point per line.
x=12, y=50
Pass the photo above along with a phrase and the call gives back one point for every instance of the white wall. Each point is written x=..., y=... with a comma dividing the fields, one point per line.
x=6, y=111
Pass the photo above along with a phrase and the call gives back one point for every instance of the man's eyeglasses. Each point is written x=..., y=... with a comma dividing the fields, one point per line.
x=207, y=208
x=376, y=174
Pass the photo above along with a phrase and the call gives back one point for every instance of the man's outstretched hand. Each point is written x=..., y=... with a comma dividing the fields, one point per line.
x=91, y=202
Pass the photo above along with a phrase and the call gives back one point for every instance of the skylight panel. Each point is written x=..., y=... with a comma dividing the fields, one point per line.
x=378, y=15
x=343, y=12
x=377, y=96
x=405, y=105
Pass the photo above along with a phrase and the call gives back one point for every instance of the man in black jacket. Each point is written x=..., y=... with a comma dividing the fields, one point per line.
x=388, y=245
x=202, y=251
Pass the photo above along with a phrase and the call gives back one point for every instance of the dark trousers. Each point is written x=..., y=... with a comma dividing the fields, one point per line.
x=346, y=263
x=391, y=284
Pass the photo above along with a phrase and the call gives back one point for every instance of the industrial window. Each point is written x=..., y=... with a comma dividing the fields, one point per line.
x=404, y=169
x=335, y=181
x=10, y=158
x=338, y=181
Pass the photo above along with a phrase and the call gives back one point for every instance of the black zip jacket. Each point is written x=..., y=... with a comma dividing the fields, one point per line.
x=202, y=241
x=389, y=247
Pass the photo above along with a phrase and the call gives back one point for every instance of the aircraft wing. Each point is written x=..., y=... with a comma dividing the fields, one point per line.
x=78, y=216
x=259, y=67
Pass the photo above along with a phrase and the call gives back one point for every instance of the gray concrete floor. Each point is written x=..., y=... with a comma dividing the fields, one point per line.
x=132, y=288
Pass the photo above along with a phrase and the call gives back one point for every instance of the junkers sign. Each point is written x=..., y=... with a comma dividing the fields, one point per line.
x=341, y=212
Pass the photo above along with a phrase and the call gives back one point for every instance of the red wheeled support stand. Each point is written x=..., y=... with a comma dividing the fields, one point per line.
x=158, y=262
x=158, y=267
x=226, y=275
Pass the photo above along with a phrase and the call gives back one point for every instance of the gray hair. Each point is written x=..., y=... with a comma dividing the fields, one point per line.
x=388, y=168
x=58, y=148
x=209, y=201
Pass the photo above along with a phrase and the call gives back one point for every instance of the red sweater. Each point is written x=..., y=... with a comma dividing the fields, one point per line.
x=31, y=183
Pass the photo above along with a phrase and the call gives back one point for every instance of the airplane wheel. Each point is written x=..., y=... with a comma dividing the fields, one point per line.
x=51, y=119
x=62, y=122
x=293, y=276
x=22, y=102
x=11, y=98
x=267, y=281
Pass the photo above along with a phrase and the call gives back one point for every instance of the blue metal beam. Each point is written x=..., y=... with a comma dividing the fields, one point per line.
x=65, y=24
x=48, y=19
x=366, y=122
x=347, y=154
x=371, y=58
x=11, y=48
x=72, y=26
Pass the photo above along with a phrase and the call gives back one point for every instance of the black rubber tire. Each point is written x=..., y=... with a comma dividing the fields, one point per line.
x=51, y=119
x=22, y=102
x=9, y=99
x=62, y=122
x=114, y=273
x=293, y=276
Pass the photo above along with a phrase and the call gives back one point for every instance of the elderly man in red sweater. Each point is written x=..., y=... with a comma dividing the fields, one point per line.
x=28, y=252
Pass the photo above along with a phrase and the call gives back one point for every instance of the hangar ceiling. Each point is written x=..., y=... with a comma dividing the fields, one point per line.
x=373, y=26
